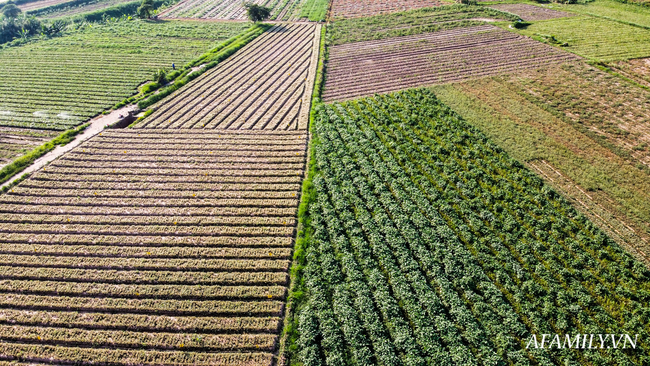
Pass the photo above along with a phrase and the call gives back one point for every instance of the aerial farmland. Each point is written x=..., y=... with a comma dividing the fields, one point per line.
x=325, y=182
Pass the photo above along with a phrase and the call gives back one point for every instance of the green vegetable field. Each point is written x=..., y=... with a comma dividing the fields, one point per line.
x=430, y=245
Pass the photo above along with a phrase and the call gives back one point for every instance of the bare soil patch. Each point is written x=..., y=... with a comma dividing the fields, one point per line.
x=364, y=8
x=364, y=68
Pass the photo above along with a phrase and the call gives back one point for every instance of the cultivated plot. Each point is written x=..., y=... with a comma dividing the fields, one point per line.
x=60, y=83
x=75, y=9
x=232, y=9
x=531, y=12
x=364, y=68
x=430, y=245
x=266, y=85
x=637, y=70
x=364, y=8
x=152, y=247
x=15, y=142
x=34, y=5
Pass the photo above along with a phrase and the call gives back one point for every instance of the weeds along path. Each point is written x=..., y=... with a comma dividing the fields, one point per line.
x=266, y=85
x=364, y=68
x=152, y=247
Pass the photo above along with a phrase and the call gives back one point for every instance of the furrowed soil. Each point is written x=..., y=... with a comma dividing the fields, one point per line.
x=266, y=85
x=40, y=4
x=531, y=12
x=364, y=8
x=364, y=68
x=232, y=9
x=15, y=142
x=125, y=252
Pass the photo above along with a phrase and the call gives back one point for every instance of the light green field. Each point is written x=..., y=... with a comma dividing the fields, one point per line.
x=60, y=83
x=630, y=13
x=593, y=38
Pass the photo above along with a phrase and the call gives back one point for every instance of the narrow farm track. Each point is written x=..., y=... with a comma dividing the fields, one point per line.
x=267, y=85
x=231, y=9
x=364, y=68
x=125, y=251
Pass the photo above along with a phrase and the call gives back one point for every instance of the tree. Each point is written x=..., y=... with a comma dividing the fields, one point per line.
x=146, y=9
x=257, y=13
x=11, y=11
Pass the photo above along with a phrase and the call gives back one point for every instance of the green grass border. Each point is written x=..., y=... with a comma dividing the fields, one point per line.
x=296, y=298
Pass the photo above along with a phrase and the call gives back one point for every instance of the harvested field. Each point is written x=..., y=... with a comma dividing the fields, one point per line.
x=531, y=12
x=265, y=85
x=364, y=68
x=76, y=9
x=15, y=142
x=125, y=252
x=40, y=4
x=232, y=9
x=364, y=8
x=637, y=70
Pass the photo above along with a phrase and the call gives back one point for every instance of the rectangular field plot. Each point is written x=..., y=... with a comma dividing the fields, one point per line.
x=60, y=83
x=364, y=68
x=429, y=242
x=265, y=85
x=34, y=5
x=531, y=12
x=364, y=8
x=232, y=9
x=74, y=8
x=127, y=252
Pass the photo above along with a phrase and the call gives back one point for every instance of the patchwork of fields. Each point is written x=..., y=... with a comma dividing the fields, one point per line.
x=232, y=9
x=266, y=85
x=364, y=68
x=179, y=241
x=411, y=182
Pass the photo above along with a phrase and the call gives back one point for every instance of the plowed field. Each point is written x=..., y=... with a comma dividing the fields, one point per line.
x=232, y=9
x=531, y=12
x=266, y=85
x=365, y=8
x=126, y=251
x=364, y=68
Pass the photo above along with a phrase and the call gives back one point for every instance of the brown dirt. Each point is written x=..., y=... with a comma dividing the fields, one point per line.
x=531, y=12
x=364, y=8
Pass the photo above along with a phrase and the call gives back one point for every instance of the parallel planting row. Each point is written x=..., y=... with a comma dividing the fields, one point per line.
x=60, y=83
x=152, y=248
x=232, y=9
x=364, y=68
x=363, y=8
x=266, y=85
x=429, y=245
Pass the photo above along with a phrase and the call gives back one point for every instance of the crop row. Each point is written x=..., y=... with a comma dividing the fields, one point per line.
x=143, y=251
x=144, y=277
x=145, y=186
x=104, y=193
x=266, y=85
x=139, y=322
x=128, y=240
x=434, y=58
x=146, y=229
x=121, y=263
x=431, y=245
x=143, y=202
x=90, y=157
x=170, y=211
x=62, y=217
x=211, y=308
x=215, y=178
x=103, y=356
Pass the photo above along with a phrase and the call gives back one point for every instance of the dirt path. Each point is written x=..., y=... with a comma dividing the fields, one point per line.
x=97, y=124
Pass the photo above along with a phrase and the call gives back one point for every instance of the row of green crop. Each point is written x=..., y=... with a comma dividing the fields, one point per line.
x=432, y=246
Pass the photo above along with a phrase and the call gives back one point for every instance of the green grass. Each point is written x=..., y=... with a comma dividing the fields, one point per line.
x=431, y=245
x=629, y=13
x=314, y=10
x=411, y=22
x=594, y=38
x=61, y=82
